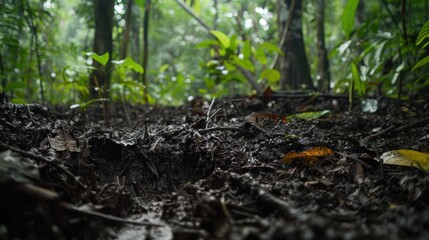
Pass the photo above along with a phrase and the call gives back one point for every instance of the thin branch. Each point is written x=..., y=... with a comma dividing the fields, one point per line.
x=193, y=14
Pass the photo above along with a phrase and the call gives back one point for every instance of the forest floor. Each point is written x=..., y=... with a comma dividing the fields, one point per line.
x=220, y=170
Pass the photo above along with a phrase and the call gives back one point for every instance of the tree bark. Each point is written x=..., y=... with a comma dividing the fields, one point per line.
x=323, y=64
x=127, y=30
x=294, y=66
x=146, y=49
x=103, y=42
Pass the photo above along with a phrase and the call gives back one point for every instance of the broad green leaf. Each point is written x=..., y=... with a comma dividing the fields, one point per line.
x=103, y=59
x=130, y=63
x=348, y=17
x=423, y=34
x=163, y=68
x=233, y=42
x=221, y=37
x=272, y=75
x=405, y=157
x=309, y=115
x=14, y=85
x=247, y=49
x=247, y=64
x=260, y=55
x=421, y=63
x=207, y=43
x=358, y=83
x=271, y=48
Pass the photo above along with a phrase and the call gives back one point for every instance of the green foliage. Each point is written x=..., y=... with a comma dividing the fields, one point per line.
x=423, y=35
x=124, y=87
x=348, y=17
x=368, y=51
x=101, y=59
x=229, y=56
x=222, y=38
x=359, y=86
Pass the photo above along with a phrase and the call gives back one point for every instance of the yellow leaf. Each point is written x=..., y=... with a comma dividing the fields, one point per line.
x=308, y=157
x=406, y=157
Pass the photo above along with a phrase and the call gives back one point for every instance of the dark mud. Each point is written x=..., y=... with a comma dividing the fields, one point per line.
x=213, y=171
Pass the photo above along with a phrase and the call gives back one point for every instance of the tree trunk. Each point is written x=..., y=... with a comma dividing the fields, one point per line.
x=323, y=64
x=103, y=43
x=126, y=37
x=294, y=66
x=146, y=49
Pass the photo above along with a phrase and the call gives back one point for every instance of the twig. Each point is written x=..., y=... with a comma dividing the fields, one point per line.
x=48, y=195
x=392, y=129
x=45, y=160
x=192, y=13
x=224, y=129
x=208, y=112
x=357, y=160
x=106, y=217
x=260, y=129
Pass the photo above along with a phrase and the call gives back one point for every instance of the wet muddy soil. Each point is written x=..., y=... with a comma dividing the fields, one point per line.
x=213, y=170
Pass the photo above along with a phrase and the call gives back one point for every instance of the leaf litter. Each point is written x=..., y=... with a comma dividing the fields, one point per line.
x=225, y=169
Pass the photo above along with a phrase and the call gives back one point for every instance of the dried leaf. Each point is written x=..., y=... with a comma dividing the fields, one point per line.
x=405, y=157
x=64, y=142
x=308, y=157
x=309, y=115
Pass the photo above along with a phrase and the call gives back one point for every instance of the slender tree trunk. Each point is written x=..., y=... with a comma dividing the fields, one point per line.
x=146, y=49
x=294, y=66
x=323, y=64
x=103, y=42
x=135, y=47
x=2, y=74
x=35, y=36
x=127, y=30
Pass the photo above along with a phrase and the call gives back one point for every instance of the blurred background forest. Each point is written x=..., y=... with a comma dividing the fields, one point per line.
x=168, y=52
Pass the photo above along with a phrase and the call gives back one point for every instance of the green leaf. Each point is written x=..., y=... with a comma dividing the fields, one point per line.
x=207, y=43
x=221, y=37
x=260, y=55
x=272, y=75
x=309, y=115
x=348, y=17
x=247, y=49
x=421, y=63
x=163, y=68
x=359, y=85
x=130, y=63
x=100, y=59
x=271, y=48
x=247, y=64
x=423, y=34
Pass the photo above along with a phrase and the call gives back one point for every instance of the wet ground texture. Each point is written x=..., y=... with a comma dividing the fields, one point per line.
x=213, y=170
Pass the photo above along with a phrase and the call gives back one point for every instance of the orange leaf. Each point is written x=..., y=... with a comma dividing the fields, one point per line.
x=308, y=157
